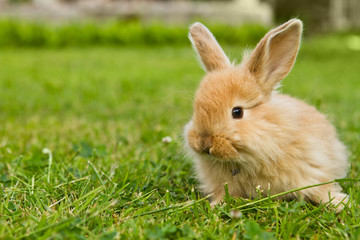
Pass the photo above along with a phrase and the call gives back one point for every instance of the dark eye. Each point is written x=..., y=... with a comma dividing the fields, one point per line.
x=237, y=112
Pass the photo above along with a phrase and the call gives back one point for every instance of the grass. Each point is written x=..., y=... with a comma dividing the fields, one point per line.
x=82, y=156
x=17, y=33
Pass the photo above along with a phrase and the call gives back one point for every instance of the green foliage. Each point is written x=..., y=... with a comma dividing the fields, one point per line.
x=253, y=231
x=18, y=33
x=102, y=112
x=18, y=1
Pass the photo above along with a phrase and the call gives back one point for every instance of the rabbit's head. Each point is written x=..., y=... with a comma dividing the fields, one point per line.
x=230, y=107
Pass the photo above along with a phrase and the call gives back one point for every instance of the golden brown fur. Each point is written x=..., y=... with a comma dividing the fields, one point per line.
x=280, y=143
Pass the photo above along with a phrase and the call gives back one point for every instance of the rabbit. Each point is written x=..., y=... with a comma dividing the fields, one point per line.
x=246, y=134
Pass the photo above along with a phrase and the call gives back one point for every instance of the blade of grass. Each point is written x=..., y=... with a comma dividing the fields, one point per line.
x=96, y=190
x=73, y=181
x=295, y=190
x=145, y=196
x=318, y=209
x=179, y=207
x=55, y=203
x=64, y=222
x=97, y=173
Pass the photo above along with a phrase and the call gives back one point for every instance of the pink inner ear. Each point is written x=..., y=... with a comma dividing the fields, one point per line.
x=283, y=49
x=211, y=54
x=275, y=55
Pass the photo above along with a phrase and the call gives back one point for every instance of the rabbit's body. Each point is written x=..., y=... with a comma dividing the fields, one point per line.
x=275, y=155
x=274, y=141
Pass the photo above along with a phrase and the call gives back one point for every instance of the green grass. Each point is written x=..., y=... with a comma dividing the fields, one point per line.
x=103, y=111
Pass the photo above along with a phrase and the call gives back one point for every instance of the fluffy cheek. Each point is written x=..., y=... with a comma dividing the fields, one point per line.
x=193, y=141
x=191, y=138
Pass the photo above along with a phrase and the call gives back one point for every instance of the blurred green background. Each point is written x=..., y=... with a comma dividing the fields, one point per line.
x=101, y=92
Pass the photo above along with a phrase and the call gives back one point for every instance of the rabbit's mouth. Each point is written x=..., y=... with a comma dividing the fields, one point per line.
x=212, y=146
x=222, y=148
x=217, y=147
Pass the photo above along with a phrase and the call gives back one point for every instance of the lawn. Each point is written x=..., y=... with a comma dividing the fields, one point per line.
x=82, y=156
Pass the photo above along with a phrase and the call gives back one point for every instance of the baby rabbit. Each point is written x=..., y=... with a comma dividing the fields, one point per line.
x=244, y=133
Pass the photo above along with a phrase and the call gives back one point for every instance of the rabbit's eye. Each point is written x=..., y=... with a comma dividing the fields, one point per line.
x=237, y=112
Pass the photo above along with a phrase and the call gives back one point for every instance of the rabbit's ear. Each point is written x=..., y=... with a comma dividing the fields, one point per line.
x=275, y=54
x=205, y=44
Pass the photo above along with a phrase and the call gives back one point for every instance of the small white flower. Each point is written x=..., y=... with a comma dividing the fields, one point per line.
x=166, y=139
x=235, y=214
x=258, y=189
x=46, y=151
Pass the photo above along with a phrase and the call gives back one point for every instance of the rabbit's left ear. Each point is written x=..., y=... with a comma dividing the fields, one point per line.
x=211, y=54
x=275, y=54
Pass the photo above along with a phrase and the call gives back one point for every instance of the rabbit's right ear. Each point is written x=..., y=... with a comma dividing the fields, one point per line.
x=275, y=54
x=211, y=54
